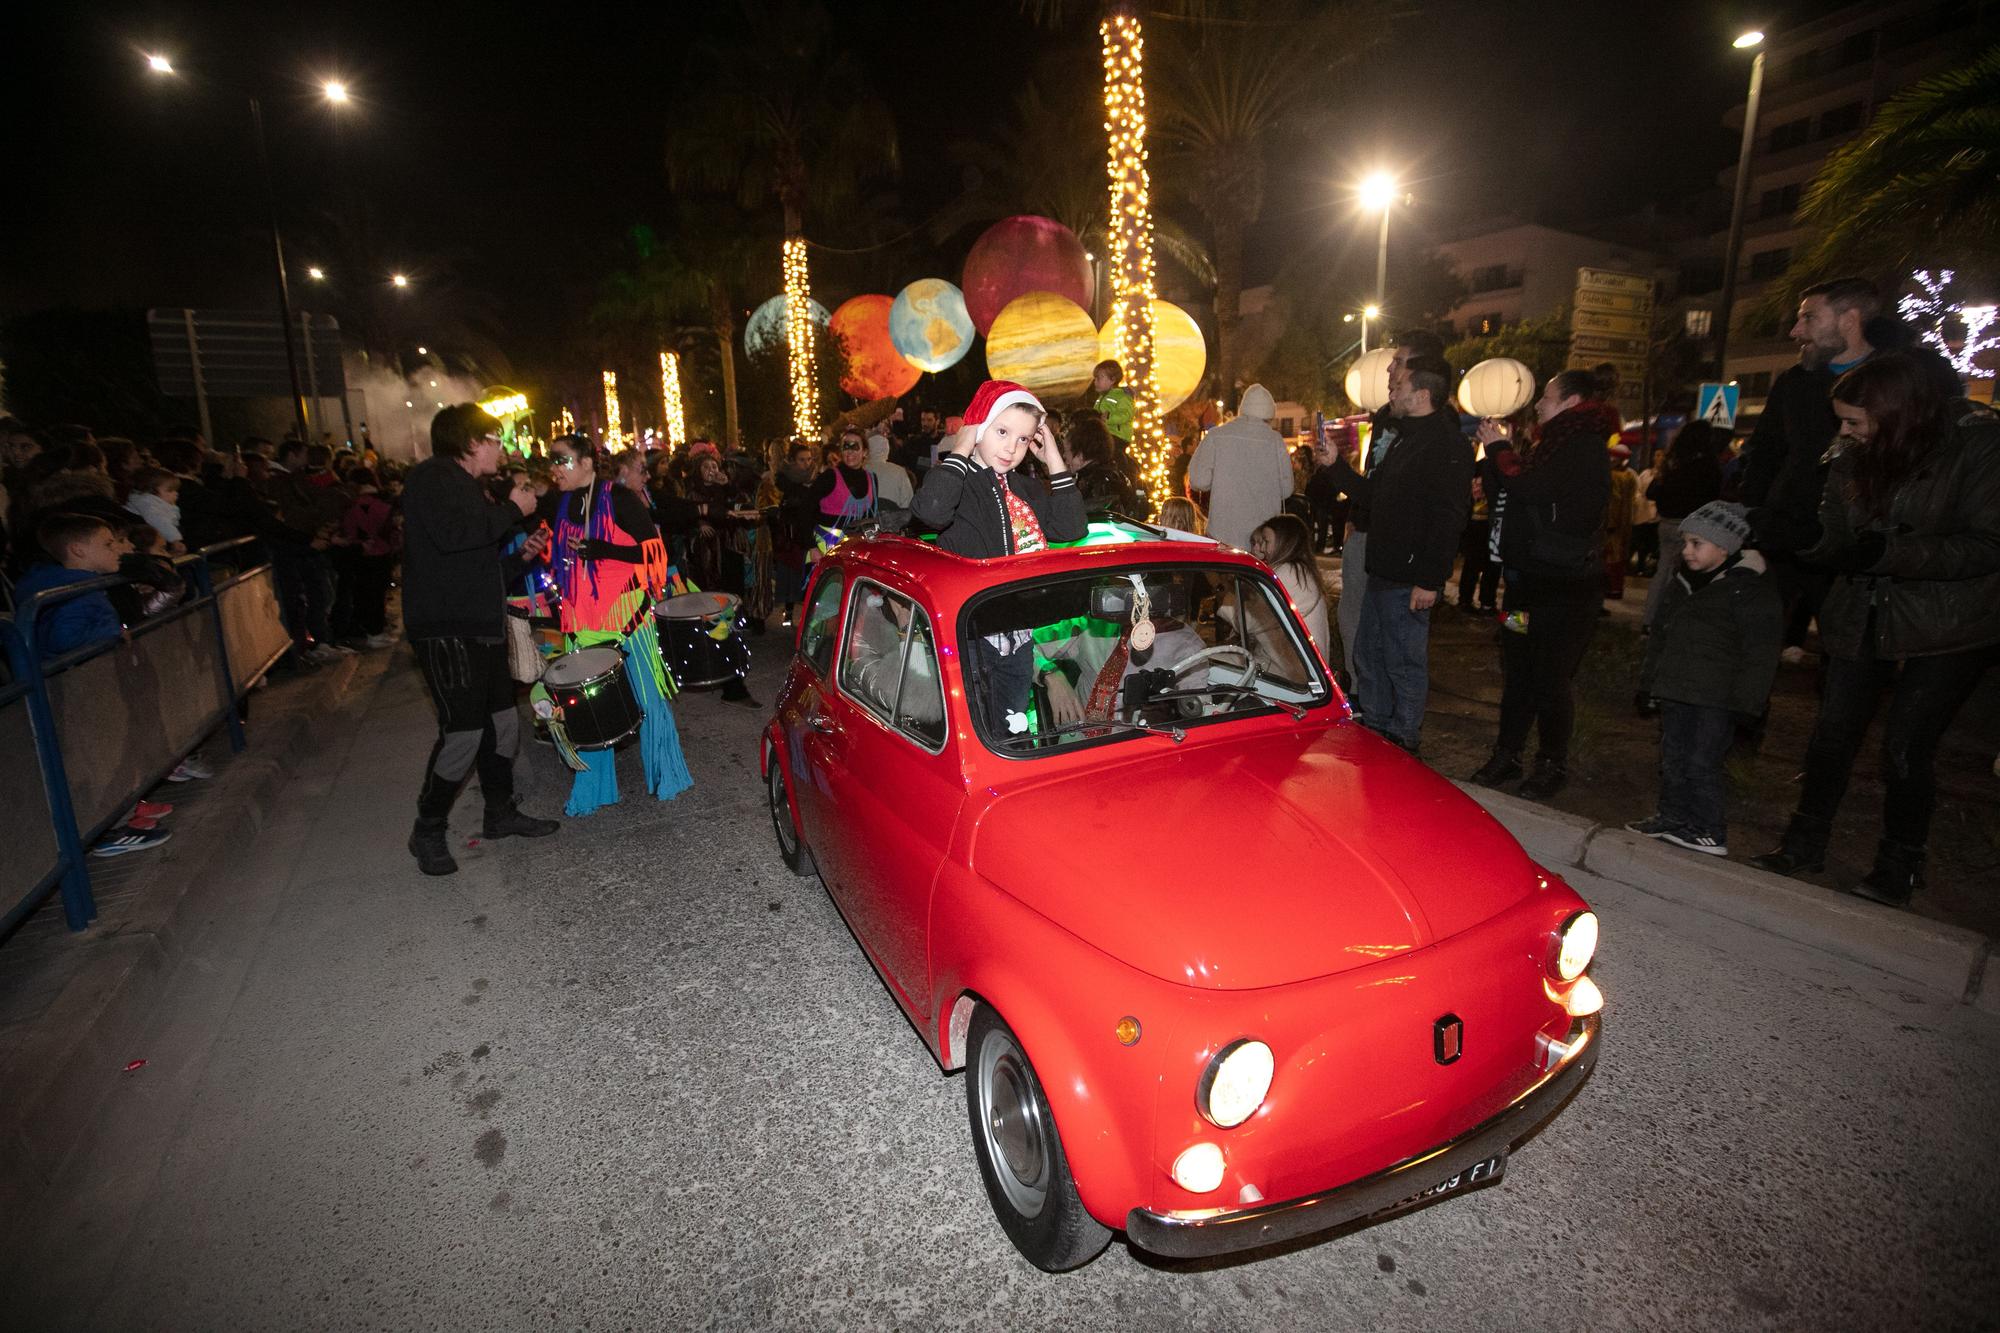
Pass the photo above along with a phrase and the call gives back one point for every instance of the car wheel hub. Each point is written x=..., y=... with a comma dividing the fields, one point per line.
x=780, y=815
x=1017, y=1137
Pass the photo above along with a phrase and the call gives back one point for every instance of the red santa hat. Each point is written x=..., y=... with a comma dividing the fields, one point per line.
x=995, y=397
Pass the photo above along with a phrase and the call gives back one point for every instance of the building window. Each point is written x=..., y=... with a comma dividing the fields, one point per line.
x=1769, y=263
x=1840, y=120
x=1487, y=324
x=1493, y=277
x=1699, y=323
x=1779, y=203
x=1790, y=134
x=1856, y=50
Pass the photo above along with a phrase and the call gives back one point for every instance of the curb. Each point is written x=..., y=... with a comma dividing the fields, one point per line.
x=105, y=1005
x=1945, y=958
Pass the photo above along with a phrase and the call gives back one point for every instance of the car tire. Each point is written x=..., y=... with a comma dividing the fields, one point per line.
x=1020, y=1153
x=791, y=847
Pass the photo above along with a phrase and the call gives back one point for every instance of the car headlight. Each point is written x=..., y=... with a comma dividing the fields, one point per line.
x=1575, y=945
x=1235, y=1083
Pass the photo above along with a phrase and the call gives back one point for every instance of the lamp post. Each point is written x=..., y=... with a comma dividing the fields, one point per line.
x=1378, y=194
x=1735, y=245
x=336, y=93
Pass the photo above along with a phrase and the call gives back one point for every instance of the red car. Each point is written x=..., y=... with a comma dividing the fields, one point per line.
x=1223, y=967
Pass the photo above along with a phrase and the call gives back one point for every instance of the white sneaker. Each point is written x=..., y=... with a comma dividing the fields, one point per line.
x=190, y=769
x=1793, y=656
x=381, y=641
x=1695, y=842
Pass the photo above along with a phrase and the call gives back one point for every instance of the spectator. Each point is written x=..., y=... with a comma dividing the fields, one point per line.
x=1181, y=514
x=1478, y=572
x=1113, y=402
x=1323, y=495
x=152, y=584
x=791, y=527
x=1618, y=521
x=1418, y=497
x=156, y=498
x=370, y=536
x=1551, y=535
x=1910, y=531
x=79, y=548
x=79, y=484
x=1285, y=544
x=1177, y=466
x=845, y=493
x=1244, y=468
x=1710, y=664
x=1088, y=448
x=914, y=451
x=1687, y=478
x=892, y=483
x=1645, y=526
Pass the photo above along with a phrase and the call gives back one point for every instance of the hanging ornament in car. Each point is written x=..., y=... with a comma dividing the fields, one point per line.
x=1142, y=616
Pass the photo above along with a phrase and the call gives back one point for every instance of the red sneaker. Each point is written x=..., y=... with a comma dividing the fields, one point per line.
x=152, y=810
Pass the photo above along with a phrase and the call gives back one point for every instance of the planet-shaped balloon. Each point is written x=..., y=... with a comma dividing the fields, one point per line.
x=764, y=334
x=1043, y=342
x=1497, y=387
x=1019, y=255
x=1368, y=379
x=930, y=326
x=1179, y=353
x=875, y=369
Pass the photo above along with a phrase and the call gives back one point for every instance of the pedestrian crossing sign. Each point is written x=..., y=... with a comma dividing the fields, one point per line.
x=1716, y=404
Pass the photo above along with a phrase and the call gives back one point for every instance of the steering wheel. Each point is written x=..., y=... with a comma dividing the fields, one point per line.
x=1246, y=662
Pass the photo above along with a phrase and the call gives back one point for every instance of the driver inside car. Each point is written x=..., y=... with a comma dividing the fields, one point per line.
x=877, y=663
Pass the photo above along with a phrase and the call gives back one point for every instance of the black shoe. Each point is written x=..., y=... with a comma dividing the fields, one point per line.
x=509, y=822
x=736, y=692
x=1547, y=779
x=1802, y=851
x=1785, y=861
x=429, y=844
x=1897, y=875
x=1497, y=769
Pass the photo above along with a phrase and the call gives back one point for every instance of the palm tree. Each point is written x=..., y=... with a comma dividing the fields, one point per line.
x=1921, y=185
x=779, y=111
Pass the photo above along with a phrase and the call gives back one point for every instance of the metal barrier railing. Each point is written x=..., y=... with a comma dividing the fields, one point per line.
x=110, y=720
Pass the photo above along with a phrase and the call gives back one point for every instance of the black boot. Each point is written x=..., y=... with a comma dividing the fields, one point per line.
x=734, y=691
x=503, y=818
x=1500, y=767
x=1548, y=778
x=1802, y=851
x=429, y=843
x=1898, y=873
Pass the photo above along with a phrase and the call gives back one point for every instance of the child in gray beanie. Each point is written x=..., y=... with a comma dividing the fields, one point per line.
x=1709, y=662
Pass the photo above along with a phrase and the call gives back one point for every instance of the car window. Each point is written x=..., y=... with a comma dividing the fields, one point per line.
x=889, y=663
x=1046, y=659
x=816, y=643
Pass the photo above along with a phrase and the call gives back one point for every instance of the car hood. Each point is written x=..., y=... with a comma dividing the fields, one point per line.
x=1253, y=861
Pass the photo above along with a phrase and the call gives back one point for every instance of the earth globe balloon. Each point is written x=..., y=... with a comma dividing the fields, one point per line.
x=1045, y=343
x=874, y=368
x=1019, y=255
x=930, y=325
x=1368, y=379
x=1497, y=387
x=1179, y=352
x=764, y=333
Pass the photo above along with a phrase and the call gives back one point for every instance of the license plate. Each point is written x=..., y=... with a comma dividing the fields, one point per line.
x=1488, y=1172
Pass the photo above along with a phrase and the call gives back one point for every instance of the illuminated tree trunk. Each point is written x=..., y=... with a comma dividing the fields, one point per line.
x=671, y=413
x=1130, y=232
x=798, y=307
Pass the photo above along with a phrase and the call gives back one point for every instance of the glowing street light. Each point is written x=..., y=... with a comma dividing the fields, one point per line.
x=316, y=273
x=335, y=90
x=423, y=351
x=400, y=280
x=1378, y=192
x=1748, y=40
x=159, y=64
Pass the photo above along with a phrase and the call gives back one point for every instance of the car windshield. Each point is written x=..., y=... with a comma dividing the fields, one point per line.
x=1090, y=658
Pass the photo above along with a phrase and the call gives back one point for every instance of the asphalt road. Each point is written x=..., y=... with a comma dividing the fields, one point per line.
x=637, y=1075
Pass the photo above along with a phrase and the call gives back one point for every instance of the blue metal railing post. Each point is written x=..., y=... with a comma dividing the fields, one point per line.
x=204, y=586
x=79, y=906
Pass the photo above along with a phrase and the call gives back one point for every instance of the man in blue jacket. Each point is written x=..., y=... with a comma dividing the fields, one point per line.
x=80, y=548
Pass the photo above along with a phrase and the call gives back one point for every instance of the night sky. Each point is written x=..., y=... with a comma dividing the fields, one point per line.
x=504, y=151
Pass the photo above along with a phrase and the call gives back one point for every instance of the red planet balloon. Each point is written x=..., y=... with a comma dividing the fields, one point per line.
x=1019, y=255
x=875, y=369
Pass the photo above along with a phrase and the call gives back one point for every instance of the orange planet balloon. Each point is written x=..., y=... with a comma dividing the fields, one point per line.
x=875, y=369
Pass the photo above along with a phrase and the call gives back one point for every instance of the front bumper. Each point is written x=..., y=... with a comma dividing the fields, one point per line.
x=1196, y=1234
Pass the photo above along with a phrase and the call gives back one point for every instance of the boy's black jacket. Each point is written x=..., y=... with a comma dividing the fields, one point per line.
x=1717, y=646
x=960, y=500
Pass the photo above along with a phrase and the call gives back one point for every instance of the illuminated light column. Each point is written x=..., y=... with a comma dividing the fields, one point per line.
x=1131, y=234
x=613, y=437
x=670, y=397
x=799, y=340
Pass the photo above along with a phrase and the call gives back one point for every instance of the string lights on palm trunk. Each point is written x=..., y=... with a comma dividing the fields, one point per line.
x=799, y=340
x=670, y=398
x=613, y=435
x=1131, y=242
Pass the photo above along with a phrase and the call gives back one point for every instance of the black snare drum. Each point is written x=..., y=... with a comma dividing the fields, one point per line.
x=688, y=626
x=592, y=699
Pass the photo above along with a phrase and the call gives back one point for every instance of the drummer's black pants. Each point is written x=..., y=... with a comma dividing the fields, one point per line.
x=477, y=725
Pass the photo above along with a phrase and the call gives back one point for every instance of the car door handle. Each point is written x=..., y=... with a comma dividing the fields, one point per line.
x=821, y=723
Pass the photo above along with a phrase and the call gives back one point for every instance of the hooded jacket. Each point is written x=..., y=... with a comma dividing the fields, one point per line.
x=892, y=483
x=1717, y=645
x=62, y=627
x=1245, y=468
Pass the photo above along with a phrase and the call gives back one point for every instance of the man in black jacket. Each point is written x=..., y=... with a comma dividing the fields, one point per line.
x=455, y=607
x=1418, y=496
x=1783, y=474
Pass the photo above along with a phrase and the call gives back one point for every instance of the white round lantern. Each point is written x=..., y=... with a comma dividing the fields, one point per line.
x=1368, y=379
x=1499, y=387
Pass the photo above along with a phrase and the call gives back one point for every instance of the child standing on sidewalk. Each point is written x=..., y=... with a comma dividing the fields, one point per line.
x=1709, y=663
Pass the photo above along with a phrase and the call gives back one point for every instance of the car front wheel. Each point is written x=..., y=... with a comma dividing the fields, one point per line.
x=790, y=846
x=1021, y=1155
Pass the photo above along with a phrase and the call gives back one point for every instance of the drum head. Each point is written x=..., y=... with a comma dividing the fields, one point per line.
x=695, y=606
x=582, y=666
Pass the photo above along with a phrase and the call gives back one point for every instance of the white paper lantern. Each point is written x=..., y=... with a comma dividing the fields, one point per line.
x=1368, y=379
x=1499, y=387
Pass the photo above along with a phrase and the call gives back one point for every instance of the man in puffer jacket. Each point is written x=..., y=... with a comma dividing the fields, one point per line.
x=1709, y=662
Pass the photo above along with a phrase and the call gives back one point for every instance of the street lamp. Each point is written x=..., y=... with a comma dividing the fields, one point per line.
x=335, y=90
x=316, y=273
x=400, y=280
x=1748, y=41
x=159, y=64
x=1378, y=195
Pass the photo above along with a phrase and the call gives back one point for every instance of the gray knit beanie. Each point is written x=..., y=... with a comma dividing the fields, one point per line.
x=1719, y=523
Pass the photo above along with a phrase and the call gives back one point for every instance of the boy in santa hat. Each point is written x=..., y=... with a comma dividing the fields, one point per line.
x=980, y=507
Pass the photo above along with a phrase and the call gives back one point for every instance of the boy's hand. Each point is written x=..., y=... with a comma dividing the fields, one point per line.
x=1045, y=449
x=961, y=444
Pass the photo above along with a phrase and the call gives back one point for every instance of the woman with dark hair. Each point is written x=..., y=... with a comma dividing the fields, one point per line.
x=1093, y=460
x=1284, y=542
x=1551, y=500
x=1910, y=527
x=1688, y=477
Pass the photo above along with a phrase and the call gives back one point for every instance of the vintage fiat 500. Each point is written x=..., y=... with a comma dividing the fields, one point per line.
x=1222, y=967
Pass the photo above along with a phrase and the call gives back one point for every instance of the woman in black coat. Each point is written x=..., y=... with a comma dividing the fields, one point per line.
x=1910, y=526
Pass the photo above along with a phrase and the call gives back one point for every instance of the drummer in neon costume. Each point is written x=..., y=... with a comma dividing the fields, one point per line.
x=609, y=564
